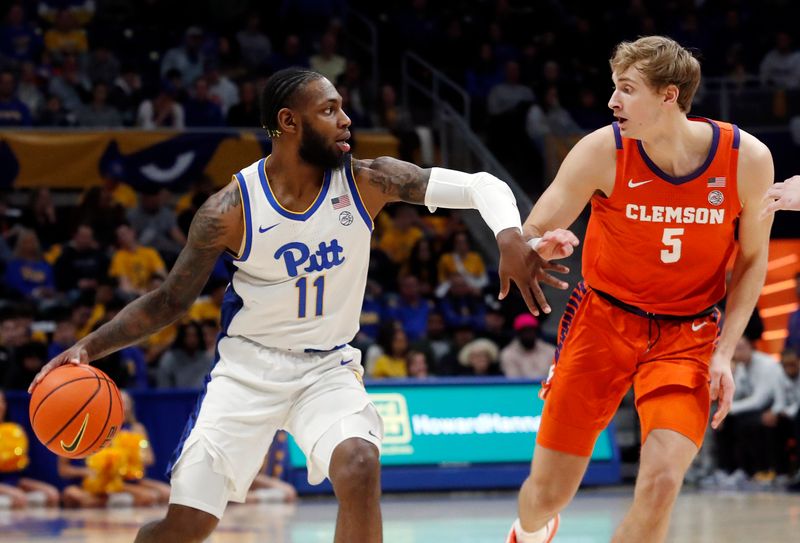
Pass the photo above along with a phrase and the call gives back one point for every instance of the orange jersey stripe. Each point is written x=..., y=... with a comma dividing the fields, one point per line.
x=662, y=243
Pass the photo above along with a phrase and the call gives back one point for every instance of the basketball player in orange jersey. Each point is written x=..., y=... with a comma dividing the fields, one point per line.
x=297, y=225
x=669, y=195
x=784, y=196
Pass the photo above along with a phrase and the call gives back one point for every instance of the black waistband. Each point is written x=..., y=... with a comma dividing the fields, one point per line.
x=657, y=316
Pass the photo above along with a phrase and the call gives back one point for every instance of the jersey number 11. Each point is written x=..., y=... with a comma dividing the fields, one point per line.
x=319, y=284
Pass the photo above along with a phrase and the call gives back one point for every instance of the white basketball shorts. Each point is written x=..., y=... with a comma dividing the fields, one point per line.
x=254, y=391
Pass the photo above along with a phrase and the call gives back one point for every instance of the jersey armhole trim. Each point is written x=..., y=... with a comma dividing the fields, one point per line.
x=736, y=136
x=248, y=222
x=617, y=135
x=351, y=182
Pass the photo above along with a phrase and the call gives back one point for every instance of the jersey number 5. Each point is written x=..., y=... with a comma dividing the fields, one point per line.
x=671, y=240
x=319, y=283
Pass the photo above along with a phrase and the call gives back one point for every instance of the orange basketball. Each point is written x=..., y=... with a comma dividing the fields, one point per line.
x=76, y=410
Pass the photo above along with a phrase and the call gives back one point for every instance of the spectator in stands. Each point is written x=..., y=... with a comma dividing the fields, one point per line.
x=784, y=414
x=116, y=188
x=462, y=306
x=54, y=114
x=82, y=11
x=19, y=41
x=361, y=97
x=221, y=90
x=13, y=111
x=373, y=311
x=186, y=363
x=134, y=264
x=126, y=93
x=188, y=58
x=781, y=66
x=209, y=306
x=17, y=489
x=328, y=62
x=462, y=260
x=64, y=335
x=42, y=217
x=505, y=97
x=527, y=356
x=417, y=366
x=436, y=343
x=460, y=336
x=66, y=37
x=246, y=112
x=397, y=119
x=422, y=264
x=793, y=339
x=99, y=113
x=70, y=84
x=742, y=440
x=27, y=273
x=163, y=111
x=98, y=209
x=83, y=264
x=356, y=119
x=201, y=109
x=405, y=230
x=496, y=328
x=479, y=358
x=29, y=89
x=392, y=363
x=290, y=55
x=255, y=46
x=103, y=65
x=411, y=308
x=156, y=225
x=25, y=363
x=483, y=74
x=588, y=114
x=549, y=119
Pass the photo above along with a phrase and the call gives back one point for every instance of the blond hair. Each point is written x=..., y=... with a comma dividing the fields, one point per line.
x=662, y=61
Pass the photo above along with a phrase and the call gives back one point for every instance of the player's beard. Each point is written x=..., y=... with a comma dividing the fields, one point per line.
x=314, y=150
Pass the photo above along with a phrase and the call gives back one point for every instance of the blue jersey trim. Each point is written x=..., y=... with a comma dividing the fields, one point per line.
x=248, y=220
x=736, y=136
x=351, y=182
x=617, y=135
x=695, y=174
x=293, y=215
x=232, y=303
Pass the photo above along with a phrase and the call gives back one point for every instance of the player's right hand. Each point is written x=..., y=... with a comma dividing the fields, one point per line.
x=74, y=355
x=556, y=244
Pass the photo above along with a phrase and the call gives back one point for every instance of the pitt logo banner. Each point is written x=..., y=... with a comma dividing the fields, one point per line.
x=142, y=159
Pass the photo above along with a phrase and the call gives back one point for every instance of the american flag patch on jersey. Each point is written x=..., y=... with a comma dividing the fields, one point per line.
x=716, y=182
x=341, y=201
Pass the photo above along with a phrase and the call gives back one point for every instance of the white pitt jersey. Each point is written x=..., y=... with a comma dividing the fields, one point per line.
x=299, y=281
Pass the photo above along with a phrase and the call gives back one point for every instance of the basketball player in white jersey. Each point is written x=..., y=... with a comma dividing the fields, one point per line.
x=297, y=225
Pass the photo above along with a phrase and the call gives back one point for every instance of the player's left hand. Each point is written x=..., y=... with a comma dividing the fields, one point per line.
x=524, y=266
x=556, y=244
x=722, y=387
x=784, y=195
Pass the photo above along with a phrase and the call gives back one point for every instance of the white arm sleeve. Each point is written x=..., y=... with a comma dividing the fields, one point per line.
x=482, y=191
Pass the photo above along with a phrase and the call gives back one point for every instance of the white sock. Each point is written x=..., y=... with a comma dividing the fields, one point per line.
x=530, y=537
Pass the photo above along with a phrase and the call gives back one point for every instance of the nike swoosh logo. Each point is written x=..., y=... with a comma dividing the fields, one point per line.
x=261, y=229
x=695, y=327
x=633, y=185
x=77, y=441
x=370, y=432
x=345, y=362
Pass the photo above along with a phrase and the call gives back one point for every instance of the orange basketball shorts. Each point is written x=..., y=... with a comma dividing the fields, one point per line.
x=603, y=350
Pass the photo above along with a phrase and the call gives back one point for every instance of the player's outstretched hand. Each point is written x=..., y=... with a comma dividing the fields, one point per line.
x=784, y=195
x=74, y=355
x=556, y=244
x=722, y=387
x=521, y=264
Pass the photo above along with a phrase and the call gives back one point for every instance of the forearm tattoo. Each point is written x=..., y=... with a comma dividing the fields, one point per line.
x=162, y=306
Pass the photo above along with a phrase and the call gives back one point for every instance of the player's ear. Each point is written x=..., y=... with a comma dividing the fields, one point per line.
x=671, y=93
x=287, y=121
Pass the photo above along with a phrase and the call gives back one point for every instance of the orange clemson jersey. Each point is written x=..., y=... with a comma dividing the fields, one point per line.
x=662, y=243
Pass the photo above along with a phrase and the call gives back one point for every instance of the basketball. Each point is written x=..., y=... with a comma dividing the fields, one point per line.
x=76, y=410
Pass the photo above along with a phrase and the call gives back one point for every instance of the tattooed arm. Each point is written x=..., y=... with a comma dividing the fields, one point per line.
x=216, y=226
x=385, y=180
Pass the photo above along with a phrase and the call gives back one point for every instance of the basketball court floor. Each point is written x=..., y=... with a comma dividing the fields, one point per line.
x=436, y=518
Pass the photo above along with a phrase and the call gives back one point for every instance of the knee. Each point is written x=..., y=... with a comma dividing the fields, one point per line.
x=355, y=466
x=546, y=498
x=662, y=486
